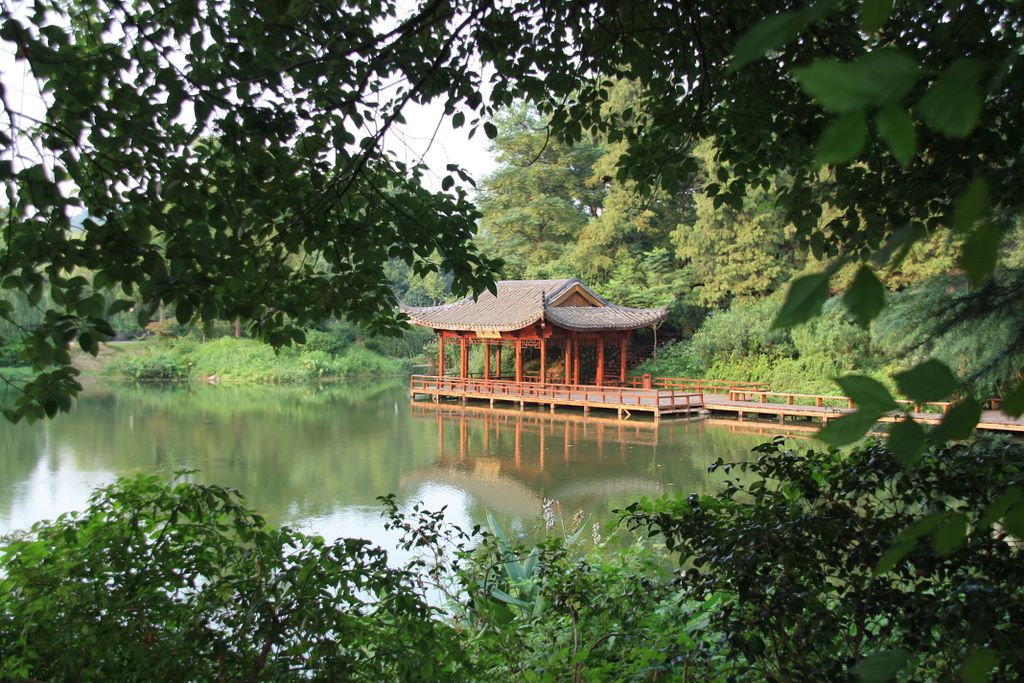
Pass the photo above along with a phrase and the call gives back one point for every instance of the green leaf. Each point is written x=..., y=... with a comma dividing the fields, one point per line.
x=1013, y=520
x=875, y=79
x=896, y=129
x=804, y=300
x=881, y=666
x=458, y=119
x=950, y=533
x=959, y=421
x=490, y=130
x=88, y=343
x=906, y=441
x=952, y=104
x=865, y=297
x=874, y=14
x=848, y=428
x=905, y=540
x=970, y=205
x=843, y=140
x=869, y=394
x=1013, y=402
x=978, y=665
x=891, y=557
x=980, y=251
x=183, y=312
x=926, y=382
x=447, y=183
x=769, y=34
x=1013, y=495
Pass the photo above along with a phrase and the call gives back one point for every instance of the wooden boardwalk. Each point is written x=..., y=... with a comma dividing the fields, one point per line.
x=674, y=396
x=755, y=405
x=623, y=400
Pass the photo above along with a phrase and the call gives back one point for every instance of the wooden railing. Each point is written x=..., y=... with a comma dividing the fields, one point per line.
x=700, y=386
x=820, y=400
x=646, y=399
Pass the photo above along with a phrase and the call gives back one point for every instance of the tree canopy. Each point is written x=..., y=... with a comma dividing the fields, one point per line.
x=230, y=159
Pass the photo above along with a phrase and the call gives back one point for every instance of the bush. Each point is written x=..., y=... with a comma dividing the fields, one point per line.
x=158, y=366
x=411, y=344
x=325, y=342
x=740, y=332
x=10, y=350
x=675, y=359
x=359, y=362
x=183, y=583
x=833, y=335
x=247, y=361
x=837, y=563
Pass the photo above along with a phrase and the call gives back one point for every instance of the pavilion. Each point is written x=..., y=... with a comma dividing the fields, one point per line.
x=562, y=326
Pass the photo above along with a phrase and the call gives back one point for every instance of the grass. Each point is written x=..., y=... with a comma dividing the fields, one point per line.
x=246, y=361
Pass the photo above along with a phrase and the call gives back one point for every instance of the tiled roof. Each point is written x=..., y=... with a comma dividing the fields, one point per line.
x=520, y=303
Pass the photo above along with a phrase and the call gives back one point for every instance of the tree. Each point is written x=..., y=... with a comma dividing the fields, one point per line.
x=736, y=250
x=540, y=198
x=230, y=160
x=926, y=97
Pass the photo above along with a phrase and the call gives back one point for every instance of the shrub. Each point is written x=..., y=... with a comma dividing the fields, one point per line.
x=360, y=362
x=160, y=366
x=10, y=350
x=248, y=360
x=675, y=359
x=834, y=335
x=325, y=342
x=184, y=583
x=740, y=332
x=839, y=563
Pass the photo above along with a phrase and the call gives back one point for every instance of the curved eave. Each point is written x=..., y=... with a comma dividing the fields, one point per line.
x=612, y=317
x=437, y=317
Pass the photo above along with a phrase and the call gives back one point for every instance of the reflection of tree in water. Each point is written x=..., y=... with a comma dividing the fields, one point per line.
x=510, y=460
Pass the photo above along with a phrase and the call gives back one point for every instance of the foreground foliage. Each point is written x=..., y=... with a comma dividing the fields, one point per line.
x=806, y=566
x=183, y=583
x=844, y=564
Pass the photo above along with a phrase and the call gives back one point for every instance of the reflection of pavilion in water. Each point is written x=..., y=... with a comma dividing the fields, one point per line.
x=509, y=460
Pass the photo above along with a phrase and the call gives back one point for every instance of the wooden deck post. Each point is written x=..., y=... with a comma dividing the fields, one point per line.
x=575, y=360
x=600, y=361
x=543, y=360
x=487, y=360
x=623, y=347
x=498, y=374
x=568, y=361
x=519, y=360
x=463, y=358
x=440, y=357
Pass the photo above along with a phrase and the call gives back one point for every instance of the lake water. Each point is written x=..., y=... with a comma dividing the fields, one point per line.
x=317, y=457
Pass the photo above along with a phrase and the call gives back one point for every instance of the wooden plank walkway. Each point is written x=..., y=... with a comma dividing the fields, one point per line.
x=623, y=400
x=673, y=396
x=991, y=420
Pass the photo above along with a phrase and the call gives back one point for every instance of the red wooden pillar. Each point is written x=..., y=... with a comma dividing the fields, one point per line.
x=487, y=360
x=463, y=358
x=575, y=360
x=499, y=361
x=519, y=360
x=623, y=347
x=440, y=357
x=568, y=361
x=543, y=360
x=600, y=361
